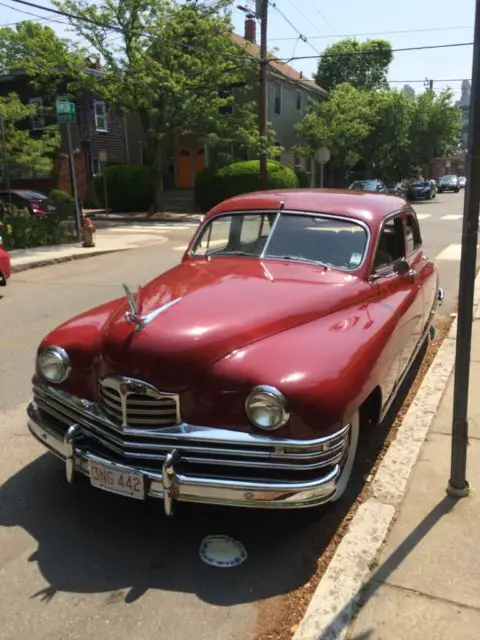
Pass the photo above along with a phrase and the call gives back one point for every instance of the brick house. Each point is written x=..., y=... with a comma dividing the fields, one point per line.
x=99, y=130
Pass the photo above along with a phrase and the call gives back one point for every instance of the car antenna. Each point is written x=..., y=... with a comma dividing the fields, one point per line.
x=282, y=205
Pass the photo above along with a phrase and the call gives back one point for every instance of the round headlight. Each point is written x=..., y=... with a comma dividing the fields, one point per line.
x=267, y=408
x=54, y=364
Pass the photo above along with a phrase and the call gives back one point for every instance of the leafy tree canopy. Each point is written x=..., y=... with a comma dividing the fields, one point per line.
x=390, y=131
x=362, y=64
x=21, y=150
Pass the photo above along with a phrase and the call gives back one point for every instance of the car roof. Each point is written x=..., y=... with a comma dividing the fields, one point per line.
x=360, y=205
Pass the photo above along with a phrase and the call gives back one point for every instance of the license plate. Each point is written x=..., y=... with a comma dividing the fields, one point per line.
x=51, y=208
x=117, y=480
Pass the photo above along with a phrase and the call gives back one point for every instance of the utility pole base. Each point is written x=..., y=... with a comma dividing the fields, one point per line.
x=455, y=492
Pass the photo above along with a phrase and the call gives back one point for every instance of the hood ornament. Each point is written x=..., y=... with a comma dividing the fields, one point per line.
x=134, y=315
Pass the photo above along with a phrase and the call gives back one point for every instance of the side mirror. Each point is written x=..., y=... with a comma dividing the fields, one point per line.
x=401, y=267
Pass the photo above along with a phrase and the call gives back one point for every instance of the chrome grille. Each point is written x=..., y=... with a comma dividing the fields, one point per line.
x=210, y=452
x=134, y=403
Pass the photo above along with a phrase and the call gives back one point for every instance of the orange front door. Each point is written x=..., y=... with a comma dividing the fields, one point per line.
x=199, y=161
x=185, y=169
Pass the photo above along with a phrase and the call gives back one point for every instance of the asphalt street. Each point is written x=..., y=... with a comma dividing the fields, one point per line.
x=79, y=563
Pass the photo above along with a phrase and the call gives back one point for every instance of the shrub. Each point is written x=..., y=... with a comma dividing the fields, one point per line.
x=212, y=185
x=129, y=187
x=64, y=202
x=303, y=178
x=21, y=230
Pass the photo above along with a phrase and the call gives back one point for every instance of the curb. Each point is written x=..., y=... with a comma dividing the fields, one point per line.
x=70, y=258
x=335, y=600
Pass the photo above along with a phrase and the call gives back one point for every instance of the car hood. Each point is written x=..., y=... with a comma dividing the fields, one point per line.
x=200, y=311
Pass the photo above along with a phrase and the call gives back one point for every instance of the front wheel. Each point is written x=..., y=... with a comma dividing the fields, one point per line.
x=349, y=458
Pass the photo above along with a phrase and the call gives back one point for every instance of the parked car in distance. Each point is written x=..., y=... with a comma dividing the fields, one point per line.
x=462, y=182
x=38, y=204
x=5, y=266
x=448, y=183
x=420, y=190
x=243, y=375
x=374, y=186
x=395, y=188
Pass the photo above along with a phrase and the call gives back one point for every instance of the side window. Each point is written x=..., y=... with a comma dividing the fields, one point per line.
x=254, y=228
x=391, y=244
x=414, y=239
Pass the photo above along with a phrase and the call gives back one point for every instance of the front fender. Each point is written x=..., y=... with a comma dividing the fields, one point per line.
x=326, y=369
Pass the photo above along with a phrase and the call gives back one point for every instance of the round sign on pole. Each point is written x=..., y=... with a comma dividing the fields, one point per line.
x=322, y=155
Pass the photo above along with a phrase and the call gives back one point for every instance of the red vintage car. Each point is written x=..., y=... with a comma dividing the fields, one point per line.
x=243, y=375
x=5, y=267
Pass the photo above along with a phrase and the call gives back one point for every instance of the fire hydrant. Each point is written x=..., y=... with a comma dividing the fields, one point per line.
x=88, y=233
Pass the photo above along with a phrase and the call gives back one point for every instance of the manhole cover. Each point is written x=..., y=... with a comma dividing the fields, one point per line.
x=222, y=551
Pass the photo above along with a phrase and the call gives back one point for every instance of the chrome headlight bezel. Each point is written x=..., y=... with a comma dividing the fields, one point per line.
x=272, y=397
x=58, y=358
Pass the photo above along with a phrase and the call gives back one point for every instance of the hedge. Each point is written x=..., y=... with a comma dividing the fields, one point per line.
x=21, y=230
x=212, y=185
x=64, y=202
x=129, y=187
x=303, y=178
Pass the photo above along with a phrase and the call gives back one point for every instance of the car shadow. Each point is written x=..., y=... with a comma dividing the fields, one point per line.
x=89, y=541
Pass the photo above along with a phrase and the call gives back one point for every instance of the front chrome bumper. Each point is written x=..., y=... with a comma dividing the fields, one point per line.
x=171, y=485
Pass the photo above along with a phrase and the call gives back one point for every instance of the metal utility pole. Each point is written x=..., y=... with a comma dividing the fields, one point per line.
x=262, y=11
x=458, y=485
x=73, y=180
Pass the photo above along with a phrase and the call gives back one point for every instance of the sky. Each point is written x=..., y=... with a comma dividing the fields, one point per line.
x=410, y=23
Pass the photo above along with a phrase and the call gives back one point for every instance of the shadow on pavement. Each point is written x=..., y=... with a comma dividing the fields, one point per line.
x=92, y=542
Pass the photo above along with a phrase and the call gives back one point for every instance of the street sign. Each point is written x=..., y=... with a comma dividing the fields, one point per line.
x=322, y=155
x=65, y=112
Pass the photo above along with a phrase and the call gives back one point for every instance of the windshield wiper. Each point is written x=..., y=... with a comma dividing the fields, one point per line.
x=302, y=259
x=232, y=253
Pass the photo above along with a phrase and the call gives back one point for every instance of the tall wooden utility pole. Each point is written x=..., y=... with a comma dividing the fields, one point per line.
x=262, y=11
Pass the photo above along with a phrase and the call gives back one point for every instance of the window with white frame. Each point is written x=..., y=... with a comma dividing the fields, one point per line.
x=96, y=166
x=299, y=100
x=101, y=115
x=277, y=99
x=37, y=120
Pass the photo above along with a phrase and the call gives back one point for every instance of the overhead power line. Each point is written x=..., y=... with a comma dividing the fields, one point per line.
x=375, y=33
x=184, y=45
x=288, y=21
x=373, y=53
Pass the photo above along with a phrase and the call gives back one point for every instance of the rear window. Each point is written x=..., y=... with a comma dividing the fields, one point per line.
x=31, y=195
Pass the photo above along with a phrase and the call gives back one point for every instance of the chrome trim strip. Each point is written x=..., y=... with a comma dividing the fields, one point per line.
x=194, y=433
x=155, y=452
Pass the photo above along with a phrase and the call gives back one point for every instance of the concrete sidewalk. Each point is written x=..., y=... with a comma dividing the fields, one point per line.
x=425, y=583
x=107, y=240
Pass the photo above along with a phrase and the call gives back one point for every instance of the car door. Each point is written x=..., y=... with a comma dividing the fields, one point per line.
x=423, y=272
x=400, y=309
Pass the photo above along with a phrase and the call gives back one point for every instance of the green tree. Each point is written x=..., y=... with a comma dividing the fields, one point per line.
x=167, y=62
x=362, y=64
x=37, y=49
x=21, y=149
x=341, y=123
x=435, y=127
x=386, y=150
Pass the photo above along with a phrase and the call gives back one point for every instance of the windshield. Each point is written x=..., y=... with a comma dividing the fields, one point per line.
x=419, y=183
x=447, y=178
x=328, y=241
